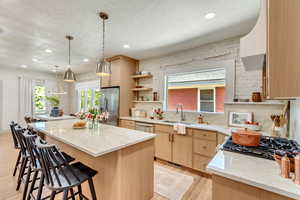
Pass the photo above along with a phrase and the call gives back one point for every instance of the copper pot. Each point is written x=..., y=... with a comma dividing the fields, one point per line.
x=246, y=137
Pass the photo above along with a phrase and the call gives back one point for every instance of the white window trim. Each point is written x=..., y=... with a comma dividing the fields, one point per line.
x=199, y=100
x=200, y=65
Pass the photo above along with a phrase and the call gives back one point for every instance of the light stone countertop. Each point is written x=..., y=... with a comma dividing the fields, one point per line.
x=258, y=172
x=96, y=142
x=210, y=127
x=49, y=118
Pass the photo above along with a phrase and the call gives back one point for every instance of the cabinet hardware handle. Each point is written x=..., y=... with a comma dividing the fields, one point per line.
x=172, y=137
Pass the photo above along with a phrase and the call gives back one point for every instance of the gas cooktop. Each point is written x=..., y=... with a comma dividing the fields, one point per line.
x=267, y=148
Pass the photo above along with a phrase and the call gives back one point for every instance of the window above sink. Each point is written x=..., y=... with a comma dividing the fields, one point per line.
x=198, y=91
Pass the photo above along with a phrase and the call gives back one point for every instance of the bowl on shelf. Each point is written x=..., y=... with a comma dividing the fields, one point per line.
x=138, y=86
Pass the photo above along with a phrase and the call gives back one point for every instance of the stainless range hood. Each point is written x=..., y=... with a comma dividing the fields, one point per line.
x=253, y=46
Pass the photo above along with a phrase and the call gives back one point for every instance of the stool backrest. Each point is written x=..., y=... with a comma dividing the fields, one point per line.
x=31, y=147
x=20, y=137
x=54, y=165
x=13, y=126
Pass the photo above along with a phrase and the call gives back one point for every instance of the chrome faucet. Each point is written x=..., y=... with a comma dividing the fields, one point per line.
x=182, y=117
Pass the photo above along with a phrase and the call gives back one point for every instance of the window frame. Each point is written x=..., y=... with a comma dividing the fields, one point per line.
x=165, y=90
x=85, y=87
x=40, y=84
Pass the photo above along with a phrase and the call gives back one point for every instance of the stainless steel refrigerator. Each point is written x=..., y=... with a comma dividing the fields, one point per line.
x=110, y=101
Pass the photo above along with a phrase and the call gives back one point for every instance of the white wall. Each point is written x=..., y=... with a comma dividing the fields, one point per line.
x=9, y=78
x=295, y=120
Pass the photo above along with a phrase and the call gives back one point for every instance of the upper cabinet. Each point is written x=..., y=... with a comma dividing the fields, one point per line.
x=283, y=49
x=253, y=46
x=122, y=68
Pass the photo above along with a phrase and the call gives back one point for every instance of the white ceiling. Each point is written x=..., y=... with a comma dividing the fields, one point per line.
x=151, y=28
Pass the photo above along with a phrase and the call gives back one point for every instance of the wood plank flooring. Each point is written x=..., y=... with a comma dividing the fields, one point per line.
x=200, y=190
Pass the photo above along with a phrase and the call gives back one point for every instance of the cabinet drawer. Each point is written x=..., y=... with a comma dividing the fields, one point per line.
x=164, y=128
x=206, y=135
x=127, y=123
x=200, y=162
x=204, y=147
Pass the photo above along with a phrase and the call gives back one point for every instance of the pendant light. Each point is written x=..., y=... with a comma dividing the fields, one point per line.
x=69, y=74
x=103, y=66
x=59, y=90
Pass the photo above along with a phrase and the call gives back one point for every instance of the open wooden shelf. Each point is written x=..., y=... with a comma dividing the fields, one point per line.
x=141, y=89
x=142, y=76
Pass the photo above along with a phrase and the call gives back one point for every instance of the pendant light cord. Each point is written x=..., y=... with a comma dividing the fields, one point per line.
x=69, y=53
x=103, y=37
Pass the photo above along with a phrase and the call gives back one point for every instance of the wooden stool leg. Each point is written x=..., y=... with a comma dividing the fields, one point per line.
x=21, y=173
x=72, y=193
x=32, y=184
x=17, y=163
x=65, y=196
x=52, y=195
x=92, y=189
x=27, y=182
x=41, y=186
x=80, y=192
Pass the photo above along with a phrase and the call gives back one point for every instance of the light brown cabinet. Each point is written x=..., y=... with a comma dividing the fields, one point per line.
x=122, y=68
x=194, y=150
x=172, y=147
x=163, y=146
x=127, y=124
x=183, y=150
x=283, y=47
x=224, y=188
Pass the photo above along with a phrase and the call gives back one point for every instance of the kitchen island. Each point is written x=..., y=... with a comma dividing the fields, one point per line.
x=122, y=157
x=238, y=176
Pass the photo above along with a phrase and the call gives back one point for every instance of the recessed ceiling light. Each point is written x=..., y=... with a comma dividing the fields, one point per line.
x=48, y=51
x=54, y=70
x=23, y=66
x=35, y=60
x=210, y=15
x=126, y=46
x=86, y=60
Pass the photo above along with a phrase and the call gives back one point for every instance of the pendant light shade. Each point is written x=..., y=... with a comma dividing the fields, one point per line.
x=103, y=66
x=69, y=74
x=59, y=90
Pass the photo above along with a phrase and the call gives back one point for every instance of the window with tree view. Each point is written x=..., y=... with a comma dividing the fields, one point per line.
x=199, y=91
x=39, y=99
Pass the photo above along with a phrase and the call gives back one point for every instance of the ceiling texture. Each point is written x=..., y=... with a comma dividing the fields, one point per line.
x=151, y=28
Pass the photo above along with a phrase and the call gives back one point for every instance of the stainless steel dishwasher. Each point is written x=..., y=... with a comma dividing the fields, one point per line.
x=145, y=127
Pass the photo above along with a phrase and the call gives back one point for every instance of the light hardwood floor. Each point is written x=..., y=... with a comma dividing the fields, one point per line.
x=200, y=190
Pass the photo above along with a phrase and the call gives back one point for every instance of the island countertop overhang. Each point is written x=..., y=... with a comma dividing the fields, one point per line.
x=95, y=142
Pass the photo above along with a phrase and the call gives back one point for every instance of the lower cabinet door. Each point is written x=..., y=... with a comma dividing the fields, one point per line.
x=163, y=146
x=200, y=162
x=183, y=150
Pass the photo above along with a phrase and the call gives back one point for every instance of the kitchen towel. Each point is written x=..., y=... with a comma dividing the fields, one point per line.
x=180, y=129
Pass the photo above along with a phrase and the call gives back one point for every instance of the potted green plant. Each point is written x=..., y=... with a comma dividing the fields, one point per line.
x=55, y=102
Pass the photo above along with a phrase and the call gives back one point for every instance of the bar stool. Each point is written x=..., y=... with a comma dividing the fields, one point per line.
x=26, y=139
x=60, y=175
x=13, y=126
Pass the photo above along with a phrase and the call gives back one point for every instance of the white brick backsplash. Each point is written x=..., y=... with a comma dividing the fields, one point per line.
x=246, y=81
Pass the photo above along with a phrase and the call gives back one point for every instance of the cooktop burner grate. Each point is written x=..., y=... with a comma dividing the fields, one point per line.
x=267, y=148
